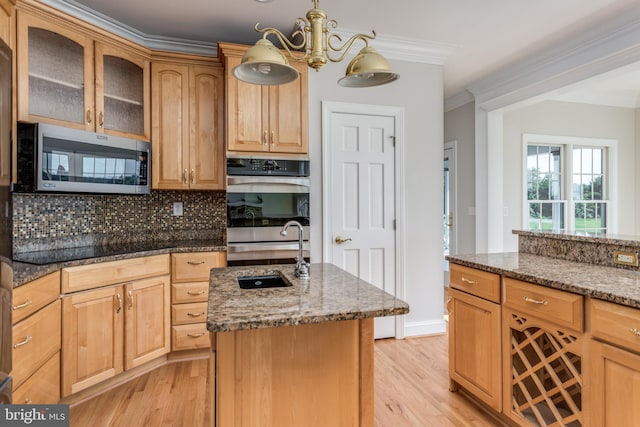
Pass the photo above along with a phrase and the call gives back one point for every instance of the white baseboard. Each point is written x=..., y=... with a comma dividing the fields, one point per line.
x=429, y=327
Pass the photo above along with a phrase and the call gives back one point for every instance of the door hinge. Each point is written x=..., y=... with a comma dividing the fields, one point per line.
x=394, y=224
x=393, y=140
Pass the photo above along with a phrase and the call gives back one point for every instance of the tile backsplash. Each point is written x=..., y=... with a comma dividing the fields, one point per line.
x=57, y=221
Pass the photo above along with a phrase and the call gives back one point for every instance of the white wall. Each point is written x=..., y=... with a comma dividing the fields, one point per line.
x=568, y=119
x=459, y=126
x=419, y=91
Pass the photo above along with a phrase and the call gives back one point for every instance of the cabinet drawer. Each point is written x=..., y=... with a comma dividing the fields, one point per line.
x=560, y=307
x=43, y=387
x=475, y=282
x=615, y=323
x=108, y=273
x=195, y=266
x=182, y=314
x=29, y=298
x=188, y=337
x=34, y=341
x=189, y=292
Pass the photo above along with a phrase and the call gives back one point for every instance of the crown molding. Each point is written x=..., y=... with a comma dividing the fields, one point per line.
x=458, y=100
x=149, y=41
x=406, y=49
x=611, y=45
x=398, y=48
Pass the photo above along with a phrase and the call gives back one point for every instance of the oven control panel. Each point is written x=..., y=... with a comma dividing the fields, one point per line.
x=258, y=167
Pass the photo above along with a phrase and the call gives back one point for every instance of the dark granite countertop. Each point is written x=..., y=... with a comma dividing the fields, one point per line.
x=603, y=282
x=331, y=294
x=45, y=262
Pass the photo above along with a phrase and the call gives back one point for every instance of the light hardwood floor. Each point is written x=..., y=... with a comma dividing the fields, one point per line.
x=411, y=390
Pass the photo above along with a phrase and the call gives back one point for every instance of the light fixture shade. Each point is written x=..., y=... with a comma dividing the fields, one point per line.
x=264, y=64
x=367, y=69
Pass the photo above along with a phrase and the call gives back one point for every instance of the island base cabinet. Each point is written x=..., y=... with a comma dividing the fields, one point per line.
x=474, y=343
x=305, y=375
x=613, y=387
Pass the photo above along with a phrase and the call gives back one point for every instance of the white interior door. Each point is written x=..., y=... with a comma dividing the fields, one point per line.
x=362, y=200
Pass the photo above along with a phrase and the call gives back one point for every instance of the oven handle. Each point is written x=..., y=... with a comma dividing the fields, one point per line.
x=244, y=180
x=258, y=247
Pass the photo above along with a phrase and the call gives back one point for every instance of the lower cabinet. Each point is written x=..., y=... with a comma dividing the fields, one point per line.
x=474, y=356
x=111, y=329
x=43, y=387
x=189, y=295
x=613, y=384
x=543, y=351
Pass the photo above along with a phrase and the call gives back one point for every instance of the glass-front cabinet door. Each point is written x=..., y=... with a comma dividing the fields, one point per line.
x=67, y=77
x=122, y=91
x=55, y=73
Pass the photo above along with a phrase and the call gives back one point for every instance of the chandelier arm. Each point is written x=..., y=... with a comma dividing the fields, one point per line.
x=284, y=41
x=346, y=46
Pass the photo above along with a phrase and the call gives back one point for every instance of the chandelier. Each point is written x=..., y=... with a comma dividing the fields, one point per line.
x=264, y=64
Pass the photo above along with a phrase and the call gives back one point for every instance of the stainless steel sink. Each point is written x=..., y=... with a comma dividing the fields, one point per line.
x=264, y=281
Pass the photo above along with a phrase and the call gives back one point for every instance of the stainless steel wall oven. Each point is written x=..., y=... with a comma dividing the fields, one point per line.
x=262, y=195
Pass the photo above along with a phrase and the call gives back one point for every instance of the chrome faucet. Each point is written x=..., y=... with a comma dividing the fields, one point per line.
x=302, y=268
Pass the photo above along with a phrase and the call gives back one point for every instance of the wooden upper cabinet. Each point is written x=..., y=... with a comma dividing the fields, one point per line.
x=7, y=11
x=265, y=118
x=187, y=114
x=66, y=76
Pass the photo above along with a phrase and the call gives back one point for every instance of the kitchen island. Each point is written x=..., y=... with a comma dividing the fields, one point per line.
x=299, y=355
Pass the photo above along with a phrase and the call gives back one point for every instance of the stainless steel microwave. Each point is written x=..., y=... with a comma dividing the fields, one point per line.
x=58, y=159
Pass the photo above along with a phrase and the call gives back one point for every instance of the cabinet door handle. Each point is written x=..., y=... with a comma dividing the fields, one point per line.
x=184, y=176
x=469, y=281
x=119, y=306
x=195, y=293
x=535, y=301
x=273, y=137
x=449, y=311
x=196, y=335
x=192, y=176
x=23, y=342
x=23, y=305
x=101, y=119
x=195, y=262
x=195, y=314
x=89, y=116
x=264, y=138
x=130, y=306
x=635, y=331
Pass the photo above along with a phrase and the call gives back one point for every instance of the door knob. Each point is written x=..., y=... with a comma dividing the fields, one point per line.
x=340, y=240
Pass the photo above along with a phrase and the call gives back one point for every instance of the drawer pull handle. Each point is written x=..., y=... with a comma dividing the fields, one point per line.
x=469, y=281
x=196, y=335
x=195, y=293
x=635, y=331
x=130, y=305
x=28, y=302
x=28, y=401
x=535, y=301
x=195, y=314
x=195, y=262
x=24, y=342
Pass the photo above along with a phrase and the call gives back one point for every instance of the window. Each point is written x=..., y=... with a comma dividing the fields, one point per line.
x=566, y=183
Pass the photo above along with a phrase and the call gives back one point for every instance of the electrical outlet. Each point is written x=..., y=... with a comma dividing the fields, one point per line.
x=625, y=258
x=177, y=208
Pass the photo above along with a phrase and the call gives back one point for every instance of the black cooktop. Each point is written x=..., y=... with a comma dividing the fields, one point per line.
x=85, y=252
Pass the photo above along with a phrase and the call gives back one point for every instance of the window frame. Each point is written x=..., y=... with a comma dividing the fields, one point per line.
x=567, y=144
